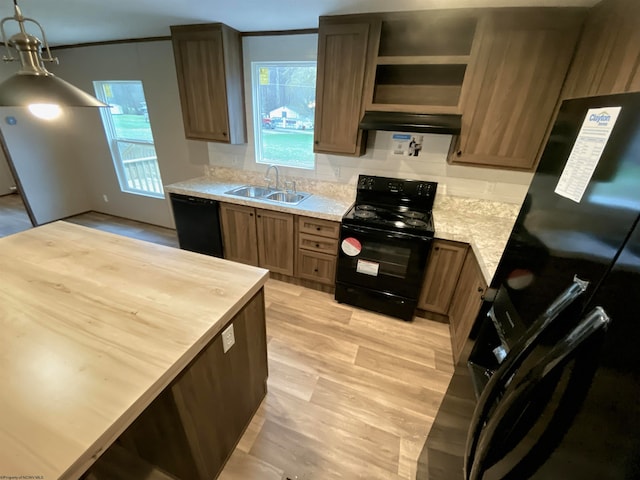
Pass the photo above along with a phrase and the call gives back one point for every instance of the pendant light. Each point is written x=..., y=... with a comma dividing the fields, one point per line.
x=33, y=85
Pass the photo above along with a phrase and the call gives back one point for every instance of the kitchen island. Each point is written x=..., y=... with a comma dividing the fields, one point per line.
x=109, y=339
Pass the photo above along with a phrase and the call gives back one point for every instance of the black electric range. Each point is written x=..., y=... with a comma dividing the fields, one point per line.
x=385, y=240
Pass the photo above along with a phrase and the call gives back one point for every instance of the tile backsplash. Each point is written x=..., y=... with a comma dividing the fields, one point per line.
x=339, y=173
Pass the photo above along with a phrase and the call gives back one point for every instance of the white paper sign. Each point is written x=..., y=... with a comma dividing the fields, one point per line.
x=367, y=267
x=406, y=145
x=585, y=155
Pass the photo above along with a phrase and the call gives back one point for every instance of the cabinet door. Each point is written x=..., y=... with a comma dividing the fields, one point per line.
x=319, y=267
x=466, y=303
x=608, y=56
x=514, y=84
x=275, y=241
x=441, y=277
x=342, y=59
x=207, y=58
x=239, y=233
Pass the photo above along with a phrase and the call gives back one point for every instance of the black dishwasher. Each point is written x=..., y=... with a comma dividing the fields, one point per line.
x=198, y=224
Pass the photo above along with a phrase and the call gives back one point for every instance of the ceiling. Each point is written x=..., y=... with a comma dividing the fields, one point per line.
x=68, y=22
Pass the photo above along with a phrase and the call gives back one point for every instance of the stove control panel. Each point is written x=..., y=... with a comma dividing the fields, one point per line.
x=396, y=186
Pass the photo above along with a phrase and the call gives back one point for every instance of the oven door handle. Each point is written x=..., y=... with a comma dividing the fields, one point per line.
x=385, y=233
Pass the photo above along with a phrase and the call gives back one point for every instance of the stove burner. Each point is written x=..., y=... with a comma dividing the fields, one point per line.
x=412, y=222
x=364, y=214
x=365, y=207
x=412, y=214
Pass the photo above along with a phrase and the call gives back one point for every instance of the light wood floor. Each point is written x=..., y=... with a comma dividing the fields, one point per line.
x=351, y=394
x=13, y=215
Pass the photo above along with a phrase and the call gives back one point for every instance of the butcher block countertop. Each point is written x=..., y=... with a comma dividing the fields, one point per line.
x=94, y=326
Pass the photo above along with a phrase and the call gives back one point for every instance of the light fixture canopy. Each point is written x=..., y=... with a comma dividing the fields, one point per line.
x=33, y=83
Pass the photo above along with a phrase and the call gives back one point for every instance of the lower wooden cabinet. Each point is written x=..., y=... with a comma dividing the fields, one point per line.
x=441, y=276
x=275, y=241
x=465, y=303
x=258, y=237
x=317, y=249
x=239, y=234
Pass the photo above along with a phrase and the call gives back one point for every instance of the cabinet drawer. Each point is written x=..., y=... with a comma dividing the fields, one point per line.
x=318, y=244
x=319, y=267
x=324, y=228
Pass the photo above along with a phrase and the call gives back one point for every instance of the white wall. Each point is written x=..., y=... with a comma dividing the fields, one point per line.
x=65, y=166
x=178, y=158
x=6, y=179
x=491, y=184
x=45, y=160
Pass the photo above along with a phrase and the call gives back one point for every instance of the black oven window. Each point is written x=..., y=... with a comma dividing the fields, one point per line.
x=393, y=260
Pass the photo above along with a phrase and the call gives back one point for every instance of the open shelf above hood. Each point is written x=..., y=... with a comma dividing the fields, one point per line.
x=412, y=122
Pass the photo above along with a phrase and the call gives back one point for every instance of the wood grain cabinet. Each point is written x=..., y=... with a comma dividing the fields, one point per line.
x=421, y=61
x=317, y=250
x=518, y=66
x=608, y=56
x=441, y=276
x=239, y=234
x=258, y=237
x=208, y=61
x=343, y=53
x=465, y=303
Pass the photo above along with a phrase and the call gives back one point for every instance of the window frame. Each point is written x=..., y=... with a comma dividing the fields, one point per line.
x=114, y=141
x=257, y=113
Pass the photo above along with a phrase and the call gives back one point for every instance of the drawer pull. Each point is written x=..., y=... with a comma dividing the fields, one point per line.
x=315, y=270
x=317, y=245
x=318, y=228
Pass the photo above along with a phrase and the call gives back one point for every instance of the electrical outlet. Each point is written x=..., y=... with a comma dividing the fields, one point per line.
x=105, y=198
x=228, y=338
x=336, y=172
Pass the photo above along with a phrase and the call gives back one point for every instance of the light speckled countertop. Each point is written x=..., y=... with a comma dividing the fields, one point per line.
x=318, y=206
x=484, y=224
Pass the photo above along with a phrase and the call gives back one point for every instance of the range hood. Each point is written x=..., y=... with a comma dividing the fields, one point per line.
x=411, y=122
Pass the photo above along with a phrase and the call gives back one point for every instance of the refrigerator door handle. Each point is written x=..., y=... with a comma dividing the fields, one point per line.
x=559, y=356
x=501, y=378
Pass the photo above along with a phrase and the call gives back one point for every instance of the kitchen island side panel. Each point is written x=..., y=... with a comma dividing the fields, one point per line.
x=193, y=426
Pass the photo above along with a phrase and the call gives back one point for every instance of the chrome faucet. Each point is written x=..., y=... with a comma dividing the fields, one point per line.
x=268, y=180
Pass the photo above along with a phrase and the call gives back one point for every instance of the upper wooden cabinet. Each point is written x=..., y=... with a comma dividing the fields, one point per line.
x=210, y=80
x=517, y=69
x=608, y=56
x=421, y=61
x=343, y=52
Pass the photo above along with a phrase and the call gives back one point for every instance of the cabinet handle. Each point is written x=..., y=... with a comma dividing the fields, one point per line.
x=318, y=228
x=459, y=153
x=317, y=245
x=224, y=133
x=436, y=248
x=316, y=142
x=251, y=214
x=315, y=270
x=480, y=289
x=259, y=216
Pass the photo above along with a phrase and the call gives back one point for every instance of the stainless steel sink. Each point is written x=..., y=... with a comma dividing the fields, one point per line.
x=287, y=197
x=251, y=191
x=269, y=194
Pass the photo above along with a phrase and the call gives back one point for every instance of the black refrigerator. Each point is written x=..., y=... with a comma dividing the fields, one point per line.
x=548, y=384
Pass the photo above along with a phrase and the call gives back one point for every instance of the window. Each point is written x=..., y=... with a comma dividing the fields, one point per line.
x=284, y=109
x=126, y=124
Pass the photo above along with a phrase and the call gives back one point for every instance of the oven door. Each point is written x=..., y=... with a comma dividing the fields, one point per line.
x=383, y=261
